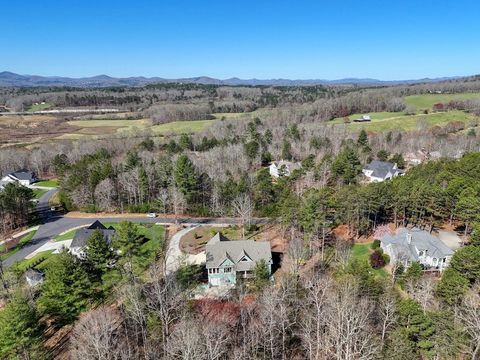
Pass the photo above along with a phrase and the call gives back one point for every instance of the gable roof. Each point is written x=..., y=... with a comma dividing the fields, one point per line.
x=382, y=168
x=218, y=251
x=22, y=174
x=82, y=235
x=420, y=239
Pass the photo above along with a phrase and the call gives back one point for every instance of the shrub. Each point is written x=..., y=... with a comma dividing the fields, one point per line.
x=377, y=259
x=375, y=244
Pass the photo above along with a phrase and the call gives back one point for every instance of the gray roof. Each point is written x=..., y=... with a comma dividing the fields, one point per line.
x=288, y=164
x=420, y=239
x=22, y=174
x=382, y=168
x=34, y=275
x=220, y=248
x=82, y=235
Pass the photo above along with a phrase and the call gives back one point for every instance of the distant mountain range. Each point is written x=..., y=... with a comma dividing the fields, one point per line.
x=11, y=79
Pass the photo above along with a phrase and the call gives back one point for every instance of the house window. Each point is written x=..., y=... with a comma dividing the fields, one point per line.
x=227, y=269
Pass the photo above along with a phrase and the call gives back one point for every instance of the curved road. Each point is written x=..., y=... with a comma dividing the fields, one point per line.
x=53, y=224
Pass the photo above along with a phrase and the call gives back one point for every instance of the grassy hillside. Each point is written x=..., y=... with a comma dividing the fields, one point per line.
x=426, y=101
x=384, y=121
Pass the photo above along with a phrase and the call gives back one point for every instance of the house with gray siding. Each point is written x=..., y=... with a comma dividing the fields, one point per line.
x=416, y=245
x=227, y=260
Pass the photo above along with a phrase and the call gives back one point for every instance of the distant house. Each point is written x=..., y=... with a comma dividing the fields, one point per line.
x=416, y=158
x=24, y=177
x=81, y=237
x=378, y=171
x=439, y=107
x=412, y=245
x=229, y=260
x=364, y=118
x=283, y=168
x=33, y=277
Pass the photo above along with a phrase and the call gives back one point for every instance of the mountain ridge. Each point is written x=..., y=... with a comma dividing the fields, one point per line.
x=11, y=79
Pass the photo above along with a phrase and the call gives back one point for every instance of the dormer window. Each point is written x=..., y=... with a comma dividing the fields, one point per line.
x=244, y=259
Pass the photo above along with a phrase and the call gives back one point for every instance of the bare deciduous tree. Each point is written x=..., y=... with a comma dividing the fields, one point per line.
x=243, y=208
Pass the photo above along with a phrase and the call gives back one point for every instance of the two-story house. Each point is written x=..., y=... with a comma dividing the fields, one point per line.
x=227, y=260
x=410, y=245
x=378, y=171
x=283, y=168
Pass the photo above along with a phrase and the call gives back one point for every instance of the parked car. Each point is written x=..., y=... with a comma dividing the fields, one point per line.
x=151, y=215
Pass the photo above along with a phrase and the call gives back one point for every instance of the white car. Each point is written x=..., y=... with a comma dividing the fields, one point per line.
x=151, y=215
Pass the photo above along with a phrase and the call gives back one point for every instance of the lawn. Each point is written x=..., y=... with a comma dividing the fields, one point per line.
x=21, y=243
x=67, y=236
x=384, y=121
x=39, y=261
x=39, y=107
x=47, y=183
x=362, y=252
x=426, y=101
x=38, y=193
x=181, y=127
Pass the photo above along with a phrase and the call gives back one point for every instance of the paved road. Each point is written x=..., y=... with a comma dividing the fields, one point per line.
x=54, y=224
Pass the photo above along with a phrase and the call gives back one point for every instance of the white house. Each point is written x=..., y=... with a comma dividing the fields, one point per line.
x=378, y=171
x=24, y=177
x=80, y=239
x=418, y=245
x=283, y=168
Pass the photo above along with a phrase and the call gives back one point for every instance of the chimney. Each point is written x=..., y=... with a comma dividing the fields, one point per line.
x=409, y=238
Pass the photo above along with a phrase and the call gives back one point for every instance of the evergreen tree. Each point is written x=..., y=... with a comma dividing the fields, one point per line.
x=286, y=150
x=452, y=287
x=468, y=207
x=128, y=241
x=186, y=142
x=466, y=261
x=186, y=178
x=98, y=254
x=261, y=273
x=362, y=138
x=20, y=332
x=66, y=290
x=383, y=155
x=251, y=149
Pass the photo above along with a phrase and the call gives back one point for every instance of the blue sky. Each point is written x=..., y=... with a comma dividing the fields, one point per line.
x=386, y=39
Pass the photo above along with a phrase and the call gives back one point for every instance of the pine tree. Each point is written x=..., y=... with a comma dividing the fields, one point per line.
x=20, y=331
x=362, y=138
x=98, y=254
x=186, y=178
x=66, y=290
x=128, y=242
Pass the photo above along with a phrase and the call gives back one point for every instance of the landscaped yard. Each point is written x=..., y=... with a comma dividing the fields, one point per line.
x=194, y=241
x=39, y=261
x=38, y=107
x=426, y=101
x=385, y=121
x=21, y=243
x=362, y=252
x=47, y=183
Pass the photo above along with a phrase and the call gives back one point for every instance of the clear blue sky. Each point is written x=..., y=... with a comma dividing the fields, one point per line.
x=387, y=39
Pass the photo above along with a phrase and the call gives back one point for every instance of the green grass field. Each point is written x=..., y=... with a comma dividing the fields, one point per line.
x=47, y=183
x=181, y=127
x=38, y=193
x=38, y=107
x=384, y=121
x=426, y=101
x=362, y=253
